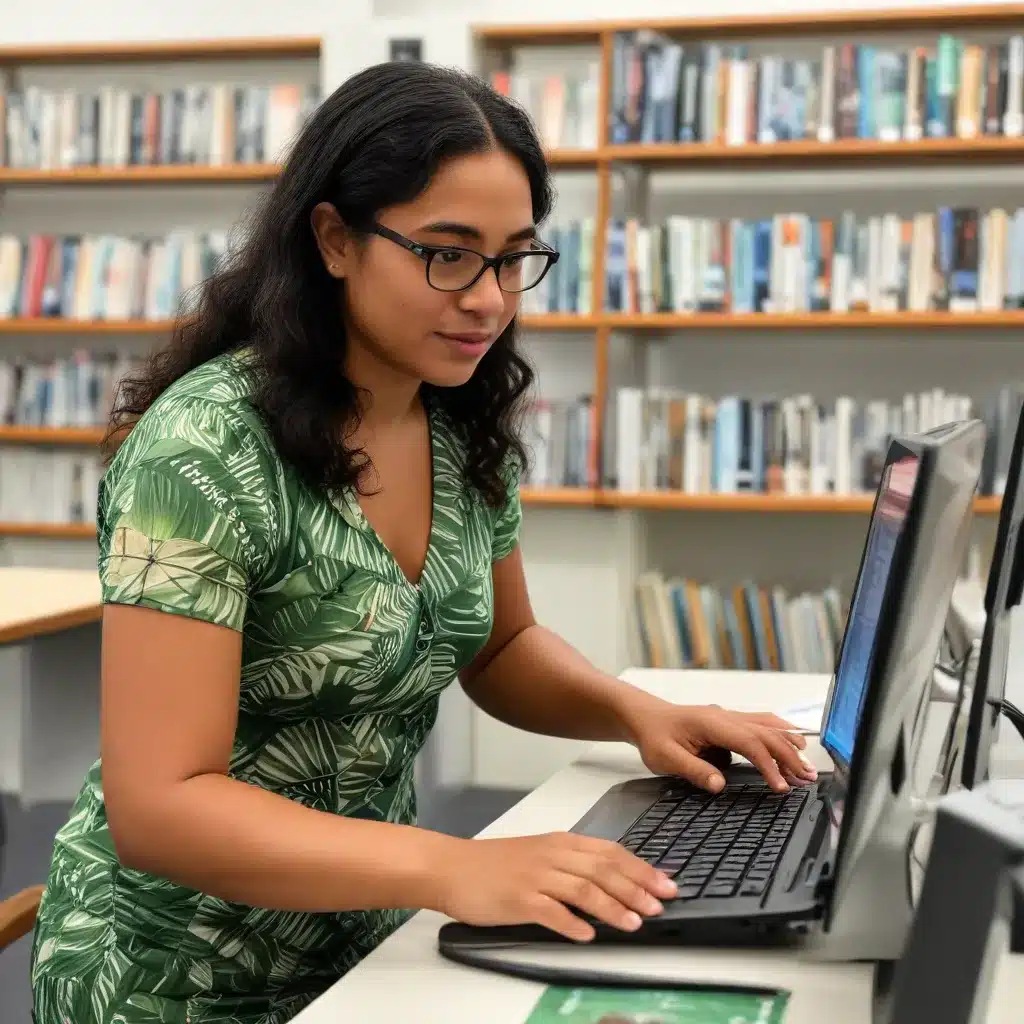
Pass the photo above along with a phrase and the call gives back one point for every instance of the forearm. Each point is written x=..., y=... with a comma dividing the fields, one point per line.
x=243, y=844
x=539, y=683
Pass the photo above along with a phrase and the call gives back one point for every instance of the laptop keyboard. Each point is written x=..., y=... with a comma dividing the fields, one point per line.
x=717, y=844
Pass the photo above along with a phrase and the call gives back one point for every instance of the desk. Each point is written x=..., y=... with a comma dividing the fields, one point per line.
x=405, y=978
x=49, y=681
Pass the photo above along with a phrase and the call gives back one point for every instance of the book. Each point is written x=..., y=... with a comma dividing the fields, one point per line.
x=558, y=1005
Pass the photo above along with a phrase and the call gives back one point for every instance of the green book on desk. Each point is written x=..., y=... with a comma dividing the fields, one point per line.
x=616, y=1005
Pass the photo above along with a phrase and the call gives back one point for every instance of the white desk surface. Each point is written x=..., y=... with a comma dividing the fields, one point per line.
x=38, y=601
x=405, y=978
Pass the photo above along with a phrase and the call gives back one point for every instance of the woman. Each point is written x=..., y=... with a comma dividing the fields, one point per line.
x=309, y=530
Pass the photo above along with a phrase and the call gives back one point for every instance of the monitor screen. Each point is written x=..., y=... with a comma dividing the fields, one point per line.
x=859, y=644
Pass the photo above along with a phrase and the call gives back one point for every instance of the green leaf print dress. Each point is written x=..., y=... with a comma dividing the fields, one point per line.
x=343, y=663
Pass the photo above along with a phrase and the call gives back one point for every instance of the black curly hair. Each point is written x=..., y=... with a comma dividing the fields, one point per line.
x=374, y=142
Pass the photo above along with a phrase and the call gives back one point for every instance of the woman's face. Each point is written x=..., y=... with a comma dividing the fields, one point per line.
x=479, y=202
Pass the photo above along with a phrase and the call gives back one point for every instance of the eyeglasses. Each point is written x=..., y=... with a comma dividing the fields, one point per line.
x=451, y=268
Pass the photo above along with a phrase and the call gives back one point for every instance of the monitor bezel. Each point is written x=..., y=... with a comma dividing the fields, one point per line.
x=899, y=448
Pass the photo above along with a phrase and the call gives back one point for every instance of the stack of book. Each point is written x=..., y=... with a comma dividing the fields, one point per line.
x=709, y=92
x=77, y=391
x=961, y=260
x=105, y=277
x=48, y=486
x=211, y=124
x=663, y=439
x=563, y=106
x=568, y=285
x=684, y=624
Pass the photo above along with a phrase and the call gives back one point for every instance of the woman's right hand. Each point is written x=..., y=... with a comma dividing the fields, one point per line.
x=543, y=879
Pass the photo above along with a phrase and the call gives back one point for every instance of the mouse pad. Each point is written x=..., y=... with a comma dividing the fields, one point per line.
x=651, y=1006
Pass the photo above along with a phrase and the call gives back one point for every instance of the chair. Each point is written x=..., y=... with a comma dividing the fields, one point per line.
x=18, y=915
x=17, y=912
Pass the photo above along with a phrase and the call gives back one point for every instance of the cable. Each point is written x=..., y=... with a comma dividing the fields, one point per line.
x=1009, y=706
x=1011, y=712
x=583, y=977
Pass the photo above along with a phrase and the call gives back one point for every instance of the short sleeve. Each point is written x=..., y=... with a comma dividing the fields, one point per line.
x=185, y=516
x=509, y=517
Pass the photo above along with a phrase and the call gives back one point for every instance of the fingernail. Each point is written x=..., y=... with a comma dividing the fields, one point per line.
x=652, y=906
x=633, y=921
x=782, y=786
x=715, y=783
x=668, y=886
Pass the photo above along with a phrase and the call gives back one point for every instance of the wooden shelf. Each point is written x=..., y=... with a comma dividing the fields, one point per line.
x=558, y=496
x=52, y=435
x=560, y=322
x=994, y=148
x=551, y=34
x=673, y=501
x=815, y=23
x=1008, y=318
x=572, y=497
x=168, y=174
x=810, y=151
x=60, y=325
x=573, y=157
x=56, y=531
x=1002, y=320
x=267, y=47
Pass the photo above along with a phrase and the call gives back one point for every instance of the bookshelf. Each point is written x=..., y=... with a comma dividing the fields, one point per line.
x=603, y=160
x=803, y=540
x=141, y=143
x=211, y=133
x=497, y=47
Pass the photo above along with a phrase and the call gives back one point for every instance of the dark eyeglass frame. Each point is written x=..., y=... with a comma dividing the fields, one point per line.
x=427, y=253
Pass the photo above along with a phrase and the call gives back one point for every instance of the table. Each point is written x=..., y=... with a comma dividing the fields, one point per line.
x=405, y=978
x=49, y=681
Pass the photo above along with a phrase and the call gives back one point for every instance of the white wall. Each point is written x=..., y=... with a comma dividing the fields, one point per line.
x=580, y=563
x=52, y=21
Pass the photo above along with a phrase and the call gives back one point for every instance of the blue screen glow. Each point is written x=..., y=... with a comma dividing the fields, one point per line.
x=859, y=645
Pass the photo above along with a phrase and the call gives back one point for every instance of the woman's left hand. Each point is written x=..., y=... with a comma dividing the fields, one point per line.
x=671, y=739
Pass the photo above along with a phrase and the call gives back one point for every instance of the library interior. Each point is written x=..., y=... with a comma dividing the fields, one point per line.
x=680, y=584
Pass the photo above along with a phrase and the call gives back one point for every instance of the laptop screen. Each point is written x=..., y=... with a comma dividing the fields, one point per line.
x=859, y=644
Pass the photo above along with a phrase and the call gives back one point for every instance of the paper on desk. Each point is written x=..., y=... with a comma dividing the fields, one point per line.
x=651, y=1006
x=806, y=717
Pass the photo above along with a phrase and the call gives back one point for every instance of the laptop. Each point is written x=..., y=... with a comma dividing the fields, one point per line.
x=753, y=864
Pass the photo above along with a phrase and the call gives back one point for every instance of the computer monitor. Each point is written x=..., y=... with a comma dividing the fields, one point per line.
x=916, y=542
x=1002, y=595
